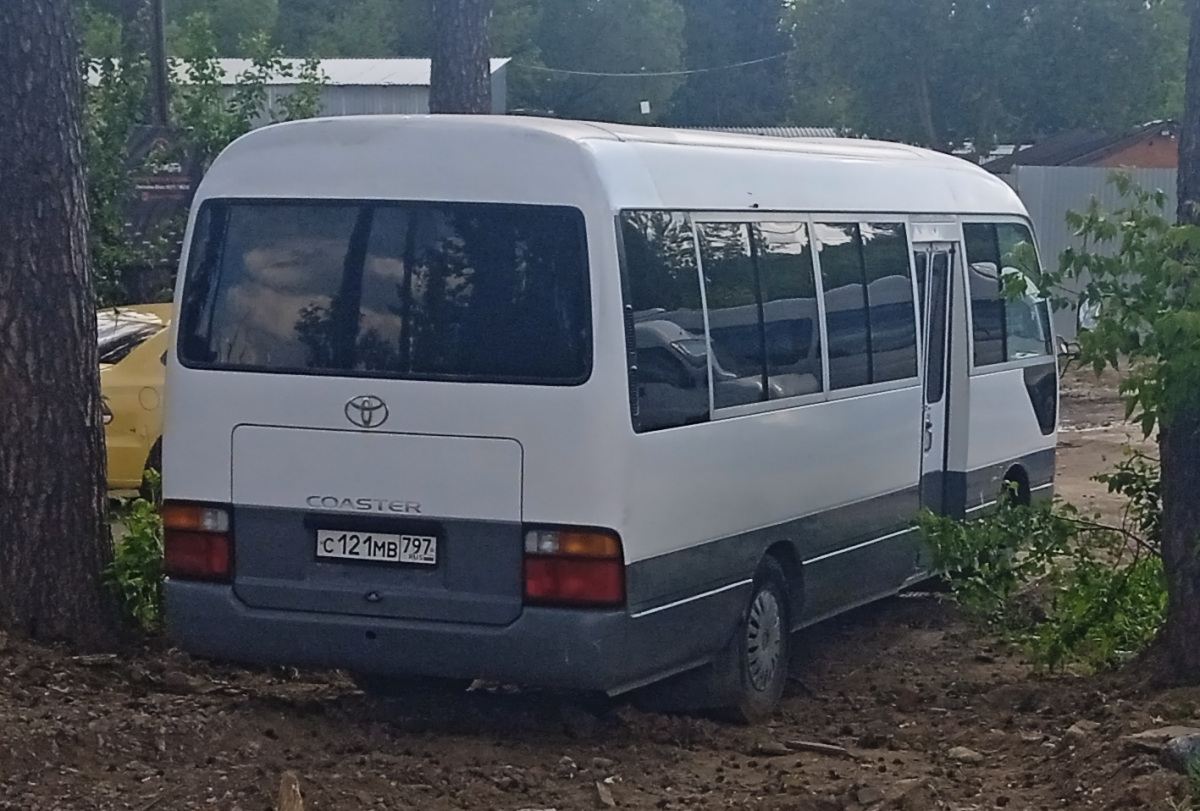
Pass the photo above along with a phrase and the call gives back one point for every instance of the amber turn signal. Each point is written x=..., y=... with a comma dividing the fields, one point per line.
x=574, y=567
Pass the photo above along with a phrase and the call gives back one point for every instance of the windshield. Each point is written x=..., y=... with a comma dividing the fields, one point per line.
x=119, y=333
x=453, y=291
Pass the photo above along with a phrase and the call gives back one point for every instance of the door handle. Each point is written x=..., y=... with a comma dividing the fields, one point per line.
x=928, y=434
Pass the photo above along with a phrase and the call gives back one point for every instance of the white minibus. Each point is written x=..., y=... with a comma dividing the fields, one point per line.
x=583, y=405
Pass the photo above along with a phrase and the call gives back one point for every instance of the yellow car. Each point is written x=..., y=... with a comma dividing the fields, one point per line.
x=133, y=353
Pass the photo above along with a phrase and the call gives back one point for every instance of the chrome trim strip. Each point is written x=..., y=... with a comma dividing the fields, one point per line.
x=693, y=598
x=862, y=545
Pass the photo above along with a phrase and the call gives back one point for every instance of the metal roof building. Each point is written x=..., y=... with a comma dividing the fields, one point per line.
x=368, y=86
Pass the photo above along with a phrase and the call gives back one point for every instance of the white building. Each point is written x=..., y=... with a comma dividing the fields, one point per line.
x=369, y=86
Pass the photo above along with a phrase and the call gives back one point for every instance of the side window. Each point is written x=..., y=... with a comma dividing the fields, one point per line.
x=892, y=315
x=791, y=327
x=666, y=323
x=1004, y=329
x=762, y=311
x=735, y=328
x=845, y=305
x=1028, y=333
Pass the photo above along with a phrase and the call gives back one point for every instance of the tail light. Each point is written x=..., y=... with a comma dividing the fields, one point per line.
x=106, y=415
x=197, y=544
x=574, y=567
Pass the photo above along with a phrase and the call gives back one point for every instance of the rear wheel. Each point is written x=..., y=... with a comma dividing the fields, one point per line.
x=753, y=668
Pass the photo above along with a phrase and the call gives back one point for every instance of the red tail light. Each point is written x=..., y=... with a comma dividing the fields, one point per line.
x=574, y=567
x=196, y=542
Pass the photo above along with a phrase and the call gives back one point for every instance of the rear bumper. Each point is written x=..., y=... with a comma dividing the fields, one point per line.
x=609, y=651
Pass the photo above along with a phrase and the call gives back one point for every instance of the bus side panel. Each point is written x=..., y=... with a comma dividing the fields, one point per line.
x=823, y=478
x=1004, y=432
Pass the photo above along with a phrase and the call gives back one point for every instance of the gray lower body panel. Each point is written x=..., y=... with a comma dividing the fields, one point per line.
x=683, y=607
x=609, y=651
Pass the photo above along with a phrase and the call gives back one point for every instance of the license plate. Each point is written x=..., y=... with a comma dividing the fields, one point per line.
x=377, y=547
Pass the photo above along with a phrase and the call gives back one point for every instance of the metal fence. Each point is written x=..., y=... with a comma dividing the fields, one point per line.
x=1049, y=192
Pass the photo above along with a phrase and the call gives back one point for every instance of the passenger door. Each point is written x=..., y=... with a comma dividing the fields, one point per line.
x=934, y=263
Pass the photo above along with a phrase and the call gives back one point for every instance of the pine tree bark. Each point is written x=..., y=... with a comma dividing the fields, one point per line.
x=142, y=43
x=925, y=110
x=461, y=78
x=1179, y=441
x=54, y=538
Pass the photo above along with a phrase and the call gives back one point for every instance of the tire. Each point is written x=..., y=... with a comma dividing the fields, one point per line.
x=402, y=686
x=753, y=668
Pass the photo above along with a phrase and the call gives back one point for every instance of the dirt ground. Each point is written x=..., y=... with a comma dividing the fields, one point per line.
x=898, y=686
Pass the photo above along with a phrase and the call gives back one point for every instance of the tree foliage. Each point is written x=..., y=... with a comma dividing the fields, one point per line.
x=112, y=113
x=212, y=117
x=938, y=72
x=727, y=32
x=234, y=24
x=354, y=28
x=1073, y=590
x=1139, y=270
x=638, y=36
x=207, y=116
x=947, y=72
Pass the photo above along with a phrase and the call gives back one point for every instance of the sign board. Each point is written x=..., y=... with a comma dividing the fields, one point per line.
x=165, y=180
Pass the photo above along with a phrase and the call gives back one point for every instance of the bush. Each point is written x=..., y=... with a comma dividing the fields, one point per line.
x=136, y=573
x=1073, y=590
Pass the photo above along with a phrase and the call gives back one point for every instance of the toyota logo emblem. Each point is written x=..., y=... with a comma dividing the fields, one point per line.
x=367, y=411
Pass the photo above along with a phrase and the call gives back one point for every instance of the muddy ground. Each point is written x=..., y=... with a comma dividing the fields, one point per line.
x=898, y=686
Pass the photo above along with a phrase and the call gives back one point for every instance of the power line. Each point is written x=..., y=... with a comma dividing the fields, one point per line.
x=650, y=74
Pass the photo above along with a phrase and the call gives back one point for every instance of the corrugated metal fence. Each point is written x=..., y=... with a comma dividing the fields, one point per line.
x=1049, y=192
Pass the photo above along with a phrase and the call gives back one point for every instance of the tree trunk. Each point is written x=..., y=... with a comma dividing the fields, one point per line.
x=1179, y=441
x=1179, y=448
x=54, y=538
x=142, y=43
x=925, y=110
x=461, y=77
x=135, y=29
x=1189, y=135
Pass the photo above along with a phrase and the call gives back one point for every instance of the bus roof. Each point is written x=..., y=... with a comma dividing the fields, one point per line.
x=548, y=161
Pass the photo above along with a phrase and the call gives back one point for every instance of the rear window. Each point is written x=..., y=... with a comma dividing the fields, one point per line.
x=118, y=334
x=443, y=291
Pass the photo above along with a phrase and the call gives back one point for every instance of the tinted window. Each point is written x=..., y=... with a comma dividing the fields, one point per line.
x=935, y=330
x=791, y=326
x=892, y=315
x=762, y=317
x=983, y=282
x=669, y=379
x=1003, y=328
x=453, y=291
x=119, y=333
x=734, y=316
x=1026, y=319
x=845, y=305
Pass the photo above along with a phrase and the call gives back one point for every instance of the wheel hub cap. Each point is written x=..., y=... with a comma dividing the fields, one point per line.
x=764, y=640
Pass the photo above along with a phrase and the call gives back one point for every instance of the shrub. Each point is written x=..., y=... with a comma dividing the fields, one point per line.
x=136, y=572
x=1073, y=590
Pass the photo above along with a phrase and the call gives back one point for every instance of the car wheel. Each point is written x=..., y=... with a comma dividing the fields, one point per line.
x=755, y=662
